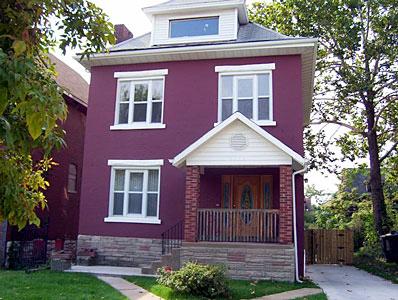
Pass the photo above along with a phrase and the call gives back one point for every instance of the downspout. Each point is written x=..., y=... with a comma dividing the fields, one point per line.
x=294, y=221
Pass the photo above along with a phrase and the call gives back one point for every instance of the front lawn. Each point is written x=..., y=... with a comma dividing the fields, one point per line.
x=48, y=285
x=377, y=267
x=240, y=289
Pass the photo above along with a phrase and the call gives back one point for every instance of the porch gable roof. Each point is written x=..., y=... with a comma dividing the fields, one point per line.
x=285, y=154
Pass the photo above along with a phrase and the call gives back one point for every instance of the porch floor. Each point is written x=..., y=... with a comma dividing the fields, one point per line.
x=107, y=270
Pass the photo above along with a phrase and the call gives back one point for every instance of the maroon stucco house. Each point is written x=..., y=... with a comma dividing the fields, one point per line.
x=60, y=220
x=195, y=133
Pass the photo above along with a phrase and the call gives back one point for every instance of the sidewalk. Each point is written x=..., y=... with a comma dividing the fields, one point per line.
x=128, y=289
x=292, y=294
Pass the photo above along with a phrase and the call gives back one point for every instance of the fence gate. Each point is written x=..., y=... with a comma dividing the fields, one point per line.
x=329, y=246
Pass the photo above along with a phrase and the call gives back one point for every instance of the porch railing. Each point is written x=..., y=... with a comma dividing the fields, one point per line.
x=172, y=238
x=238, y=225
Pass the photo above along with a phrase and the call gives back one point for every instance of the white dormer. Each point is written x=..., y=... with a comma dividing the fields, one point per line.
x=192, y=21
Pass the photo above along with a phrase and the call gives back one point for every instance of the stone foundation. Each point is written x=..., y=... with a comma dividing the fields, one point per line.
x=244, y=261
x=121, y=251
x=68, y=249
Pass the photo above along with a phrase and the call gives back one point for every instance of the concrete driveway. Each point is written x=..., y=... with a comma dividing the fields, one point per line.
x=350, y=283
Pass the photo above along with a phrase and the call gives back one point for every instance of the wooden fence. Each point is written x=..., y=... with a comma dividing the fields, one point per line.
x=333, y=246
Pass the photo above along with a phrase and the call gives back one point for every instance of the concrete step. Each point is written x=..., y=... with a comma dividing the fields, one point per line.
x=107, y=270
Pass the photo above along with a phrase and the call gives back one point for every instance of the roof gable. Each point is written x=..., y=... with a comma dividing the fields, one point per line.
x=237, y=142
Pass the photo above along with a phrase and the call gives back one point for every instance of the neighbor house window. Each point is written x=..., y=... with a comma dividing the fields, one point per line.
x=194, y=27
x=246, y=90
x=140, y=99
x=134, y=193
x=72, y=178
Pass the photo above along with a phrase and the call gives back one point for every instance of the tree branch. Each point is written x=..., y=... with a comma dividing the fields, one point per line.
x=393, y=147
x=352, y=128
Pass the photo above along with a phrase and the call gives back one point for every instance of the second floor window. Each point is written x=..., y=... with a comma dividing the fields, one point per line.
x=140, y=101
x=246, y=89
x=248, y=94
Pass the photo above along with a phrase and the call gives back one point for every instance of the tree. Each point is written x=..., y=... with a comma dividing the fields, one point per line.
x=31, y=103
x=356, y=80
x=312, y=192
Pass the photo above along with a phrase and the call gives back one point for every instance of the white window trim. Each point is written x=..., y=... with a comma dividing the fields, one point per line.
x=141, y=74
x=144, y=77
x=137, y=126
x=135, y=163
x=131, y=165
x=246, y=70
x=147, y=220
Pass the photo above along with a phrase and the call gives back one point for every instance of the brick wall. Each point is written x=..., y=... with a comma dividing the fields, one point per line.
x=286, y=205
x=244, y=261
x=121, y=251
x=192, y=195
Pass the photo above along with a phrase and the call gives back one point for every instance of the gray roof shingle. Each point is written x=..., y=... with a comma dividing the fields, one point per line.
x=250, y=32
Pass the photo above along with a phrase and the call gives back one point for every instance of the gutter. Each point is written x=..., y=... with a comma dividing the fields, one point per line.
x=288, y=43
x=295, y=219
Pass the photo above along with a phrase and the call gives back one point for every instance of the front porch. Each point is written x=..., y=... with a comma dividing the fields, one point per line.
x=238, y=205
x=239, y=195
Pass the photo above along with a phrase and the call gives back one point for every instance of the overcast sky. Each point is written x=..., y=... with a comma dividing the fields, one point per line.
x=129, y=12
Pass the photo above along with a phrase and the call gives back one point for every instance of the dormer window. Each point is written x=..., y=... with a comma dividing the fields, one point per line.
x=194, y=27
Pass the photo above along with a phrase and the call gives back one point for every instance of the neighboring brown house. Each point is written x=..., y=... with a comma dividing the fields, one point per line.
x=60, y=220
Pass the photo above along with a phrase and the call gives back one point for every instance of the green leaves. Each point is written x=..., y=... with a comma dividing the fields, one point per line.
x=19, y=47
x=31, y=103
x=3, y=99
x=35, y=124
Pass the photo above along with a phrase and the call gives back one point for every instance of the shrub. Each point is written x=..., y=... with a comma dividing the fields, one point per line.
x=196, y=279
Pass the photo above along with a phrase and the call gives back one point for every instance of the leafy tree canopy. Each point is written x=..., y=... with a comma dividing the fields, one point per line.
x=356, y=80
x=31, y=102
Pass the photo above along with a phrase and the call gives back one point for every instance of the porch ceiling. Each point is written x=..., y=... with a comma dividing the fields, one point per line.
x=238, y=142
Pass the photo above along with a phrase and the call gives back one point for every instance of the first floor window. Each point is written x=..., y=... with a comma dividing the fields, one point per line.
x=72, y=178
x=140, y=101
x=249, y=94
x=135, y=192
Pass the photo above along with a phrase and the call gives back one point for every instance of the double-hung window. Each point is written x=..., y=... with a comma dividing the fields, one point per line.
x=248, y=90
x=134, y=193
x=140, y=100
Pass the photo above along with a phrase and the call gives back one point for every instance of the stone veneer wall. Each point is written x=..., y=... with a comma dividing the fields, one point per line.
x=244, y=261
x=121, y=251
x=69, y=248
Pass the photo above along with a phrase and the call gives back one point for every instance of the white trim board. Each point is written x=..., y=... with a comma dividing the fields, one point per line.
x=180, y=159
x=141, y=74
x=245, y=68
x=135, y=163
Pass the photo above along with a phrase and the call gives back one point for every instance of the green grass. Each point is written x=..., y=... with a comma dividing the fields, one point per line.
x=48, y=285
x=240, y=289
x=378, y=267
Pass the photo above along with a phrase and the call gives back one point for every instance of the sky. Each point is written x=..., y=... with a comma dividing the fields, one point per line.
x=129, y=12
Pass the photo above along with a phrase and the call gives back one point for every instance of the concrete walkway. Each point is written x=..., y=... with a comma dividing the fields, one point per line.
x=292, y=294
x=128, y=289
x=350, y=283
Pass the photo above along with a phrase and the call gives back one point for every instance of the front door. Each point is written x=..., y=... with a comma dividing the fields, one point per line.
x=246, y=192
